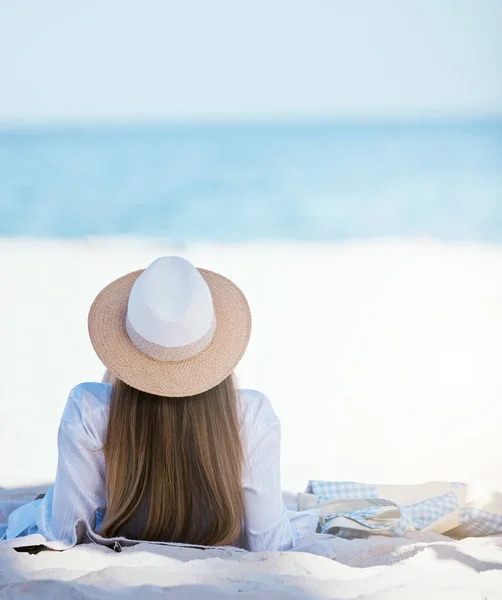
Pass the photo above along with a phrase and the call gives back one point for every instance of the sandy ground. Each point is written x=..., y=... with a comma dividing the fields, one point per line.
x=382, y=359
x=416, y=567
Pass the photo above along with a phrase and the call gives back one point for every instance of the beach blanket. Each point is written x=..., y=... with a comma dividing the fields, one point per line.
x=351, y=509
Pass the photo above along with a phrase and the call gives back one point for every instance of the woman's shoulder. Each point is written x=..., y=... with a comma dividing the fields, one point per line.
x=87, y=405
x=89, y=395
x=257, y=408
x=262, y=431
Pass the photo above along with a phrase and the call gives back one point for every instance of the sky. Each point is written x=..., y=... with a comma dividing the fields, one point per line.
x=200, y=60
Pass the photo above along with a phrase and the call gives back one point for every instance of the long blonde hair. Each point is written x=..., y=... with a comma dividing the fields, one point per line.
x=178, y=461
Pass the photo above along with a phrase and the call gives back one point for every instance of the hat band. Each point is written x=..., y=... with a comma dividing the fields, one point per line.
x=170, y=353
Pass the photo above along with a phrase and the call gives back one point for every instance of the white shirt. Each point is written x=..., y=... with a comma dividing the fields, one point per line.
x=79, y=487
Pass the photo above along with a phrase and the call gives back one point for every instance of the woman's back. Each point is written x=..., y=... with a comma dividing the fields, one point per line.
x=80, y=487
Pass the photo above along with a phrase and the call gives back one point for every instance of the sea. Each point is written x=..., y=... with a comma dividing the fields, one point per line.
x=251, y=182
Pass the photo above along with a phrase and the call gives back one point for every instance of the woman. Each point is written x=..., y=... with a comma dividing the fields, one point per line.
x=169, y=450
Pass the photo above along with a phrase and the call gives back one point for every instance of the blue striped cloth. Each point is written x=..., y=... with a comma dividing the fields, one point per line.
x=417, y=516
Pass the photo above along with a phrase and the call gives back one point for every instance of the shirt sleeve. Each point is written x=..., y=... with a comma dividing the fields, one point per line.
x=79, y=487
x=265, y=517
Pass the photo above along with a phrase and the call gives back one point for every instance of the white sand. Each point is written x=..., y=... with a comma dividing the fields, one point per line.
x=379, y=568
x=381, y=358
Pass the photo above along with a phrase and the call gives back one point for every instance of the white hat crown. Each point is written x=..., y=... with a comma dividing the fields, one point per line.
x=170, y=312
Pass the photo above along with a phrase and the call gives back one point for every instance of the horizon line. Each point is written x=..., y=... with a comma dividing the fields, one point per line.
x=111, y=124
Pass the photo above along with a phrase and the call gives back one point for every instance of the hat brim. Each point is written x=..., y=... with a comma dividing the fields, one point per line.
x=107, y=330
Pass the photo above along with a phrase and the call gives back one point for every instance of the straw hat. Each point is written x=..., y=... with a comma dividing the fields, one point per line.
x=171, y=329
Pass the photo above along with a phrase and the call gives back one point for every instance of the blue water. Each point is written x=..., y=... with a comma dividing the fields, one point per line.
x=315, y=181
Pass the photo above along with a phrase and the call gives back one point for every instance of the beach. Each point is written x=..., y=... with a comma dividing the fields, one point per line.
x=378, y=569
x=381, y=357
x=341, y=162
